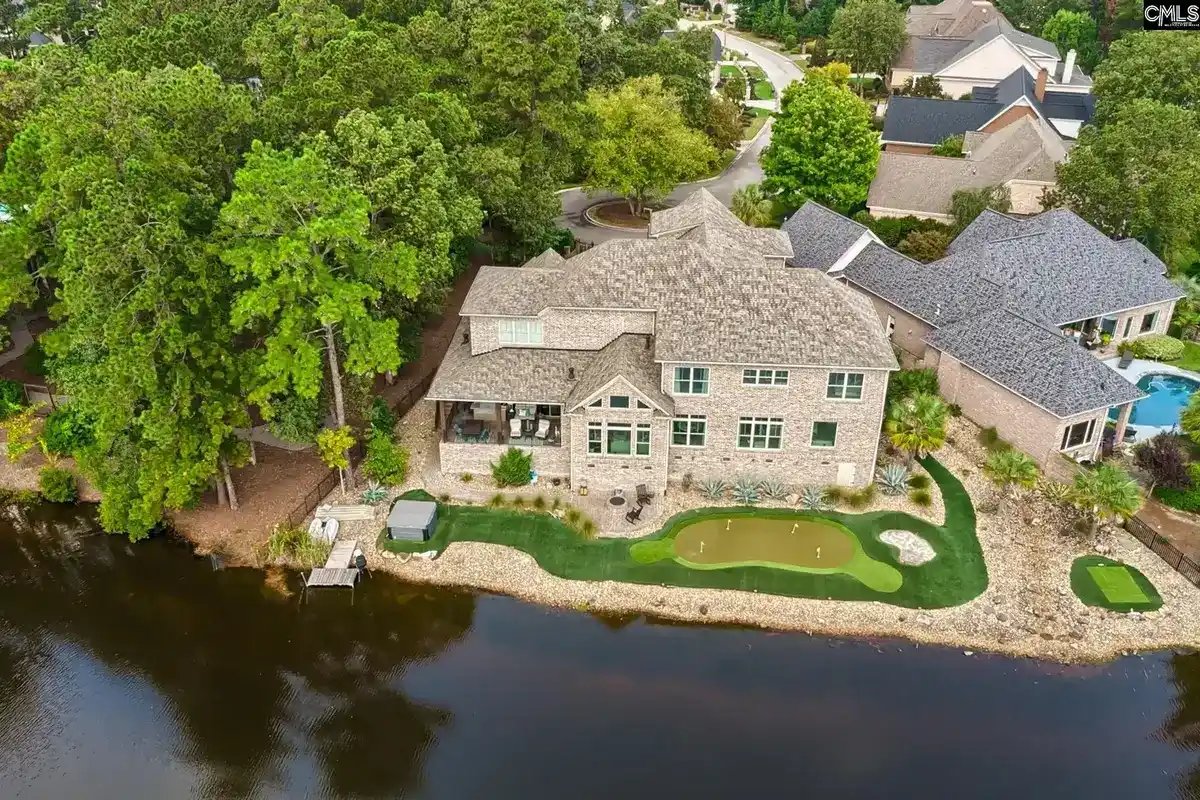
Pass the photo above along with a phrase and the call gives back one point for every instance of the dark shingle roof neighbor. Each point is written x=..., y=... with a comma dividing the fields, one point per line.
x=716, y=298
x=935, y=295
x=819, y=236
x=923, y=120
x=1035, y=361
x=1055, y=265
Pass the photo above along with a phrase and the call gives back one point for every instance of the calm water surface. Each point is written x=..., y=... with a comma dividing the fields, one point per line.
x=142, y=672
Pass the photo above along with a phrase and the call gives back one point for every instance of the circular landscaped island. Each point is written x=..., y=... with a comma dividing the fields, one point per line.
x=617, y=214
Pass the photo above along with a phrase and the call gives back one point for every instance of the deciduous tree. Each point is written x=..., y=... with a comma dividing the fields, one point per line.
x=869, y=33
x=967, y=204
x=642, y=147
x=822, y=147
x=1074, y=30
x=1151, y=65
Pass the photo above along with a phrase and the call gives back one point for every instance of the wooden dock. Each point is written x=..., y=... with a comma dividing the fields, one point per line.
x=339, y=569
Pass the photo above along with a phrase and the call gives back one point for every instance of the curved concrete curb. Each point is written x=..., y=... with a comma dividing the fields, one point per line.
x=591, y=220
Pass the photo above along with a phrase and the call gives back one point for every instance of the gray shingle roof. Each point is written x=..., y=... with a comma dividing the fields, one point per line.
x=926, y=55
x=625, y=357
x=923, y=120
x=716, y=298
x=536, y=374
x=1054, y=265
x=819, y=236
x=1035, y=361
x=936, y=295
x=512, y=374
x=1027, y=149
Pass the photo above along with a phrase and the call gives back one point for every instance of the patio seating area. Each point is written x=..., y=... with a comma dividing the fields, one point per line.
x=523, y=425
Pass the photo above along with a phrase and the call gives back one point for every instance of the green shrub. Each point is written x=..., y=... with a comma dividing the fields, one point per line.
x=862, y=498
x=289, y=543
x=497, y=501
x=990, y=438
x=12, y=398
x=58, y=485
x=908, y=382
x=513, y=468
x=921, y=498
x=35, y=359
x=382, y=418
x=296, y=419
x=68, y=430
x=1182, y=499
x=387, y=462
x=1158, y=347
x=918, y=480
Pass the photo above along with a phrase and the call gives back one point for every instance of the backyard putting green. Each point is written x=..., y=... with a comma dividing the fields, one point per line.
x=802, y=544
x=764, y=563
x=1104, y=583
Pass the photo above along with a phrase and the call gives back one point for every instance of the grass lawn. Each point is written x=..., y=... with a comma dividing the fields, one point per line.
x=956, y=575
x=1190, y=359
x=757, y=123
x=763, y=90
x=755, y=73
x=729, y=70
x=1104, y=583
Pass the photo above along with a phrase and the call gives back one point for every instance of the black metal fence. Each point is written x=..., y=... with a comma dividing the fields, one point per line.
x=1165, y=550
x=356, y=455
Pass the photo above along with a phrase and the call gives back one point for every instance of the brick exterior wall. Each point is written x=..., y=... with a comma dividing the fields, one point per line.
x=909, y=330
x=603, y=471
x=799, y=404
x=1027, y=427
x=1165, y=310
x=1008, y=118
x=567, y=329
x=915, y=149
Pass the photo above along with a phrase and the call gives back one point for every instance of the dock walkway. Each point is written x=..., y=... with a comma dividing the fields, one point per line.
x=339, y=569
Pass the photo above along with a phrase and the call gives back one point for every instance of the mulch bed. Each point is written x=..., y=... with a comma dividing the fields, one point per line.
x=617, y=213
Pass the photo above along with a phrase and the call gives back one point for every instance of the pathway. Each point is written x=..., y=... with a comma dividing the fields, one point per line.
x=22, y=339
x=744, y=171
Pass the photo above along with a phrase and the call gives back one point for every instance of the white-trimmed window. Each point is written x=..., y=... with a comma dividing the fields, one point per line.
x=520, y=331
x=844, y=386
x=691, y=380
x=756, y=376
x=595, y=437
x=618, y=401
x=641, y=445
x=1149, y=321
x=689, y=431
x=824, y=434
x=642, y=405
x=597, y=403
x=760, y=433
x=1078, y=434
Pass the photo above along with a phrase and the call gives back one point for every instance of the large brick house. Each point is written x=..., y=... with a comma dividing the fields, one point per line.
x=694, y=351
x=1004, y=316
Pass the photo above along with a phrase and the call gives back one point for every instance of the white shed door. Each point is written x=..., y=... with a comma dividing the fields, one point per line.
x=845, y=476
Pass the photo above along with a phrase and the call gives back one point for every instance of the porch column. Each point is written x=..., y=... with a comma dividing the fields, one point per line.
x=1122, y=421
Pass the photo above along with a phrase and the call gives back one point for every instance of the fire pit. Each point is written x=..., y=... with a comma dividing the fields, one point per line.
x=617, y=499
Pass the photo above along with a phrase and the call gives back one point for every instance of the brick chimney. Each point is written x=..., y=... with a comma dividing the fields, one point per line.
x=1039, y=91
x=1069, y=67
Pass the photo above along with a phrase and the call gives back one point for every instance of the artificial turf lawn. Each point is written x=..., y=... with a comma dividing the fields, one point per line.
x=763, y=90
x=729, y=70
x=957, y=575
x=779, y=540
x=1104, y=583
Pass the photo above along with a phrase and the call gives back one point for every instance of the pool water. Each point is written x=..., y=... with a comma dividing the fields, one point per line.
x=1168, y=395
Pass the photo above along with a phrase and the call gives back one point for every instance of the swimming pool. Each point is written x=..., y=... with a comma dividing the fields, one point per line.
x=1168, y=395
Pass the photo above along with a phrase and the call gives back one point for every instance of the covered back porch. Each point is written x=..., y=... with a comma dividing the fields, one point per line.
x=499, y=423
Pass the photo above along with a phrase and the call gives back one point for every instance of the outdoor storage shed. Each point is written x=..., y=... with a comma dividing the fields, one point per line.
x=412, y=520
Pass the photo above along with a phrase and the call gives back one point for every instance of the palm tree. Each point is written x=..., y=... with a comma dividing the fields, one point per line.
x=1011, y=471
x=917, y=424
x=1106, y=492
x=752, y=207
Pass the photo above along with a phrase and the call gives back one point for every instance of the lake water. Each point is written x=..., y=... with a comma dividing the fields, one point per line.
x=139, y=671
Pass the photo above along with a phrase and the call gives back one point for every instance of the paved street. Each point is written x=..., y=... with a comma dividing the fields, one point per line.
x=744, y=170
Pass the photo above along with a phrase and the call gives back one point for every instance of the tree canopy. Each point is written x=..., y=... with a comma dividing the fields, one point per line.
x=240, y=208
x=822, y=147
x=868, y=33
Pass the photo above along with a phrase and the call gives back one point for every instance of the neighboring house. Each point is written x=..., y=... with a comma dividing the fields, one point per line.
x=917, y=124
x=994, y=319
x=1020, y=157
x=985, y=58
x=951, y=18
x=823, y=239
x=694, y=351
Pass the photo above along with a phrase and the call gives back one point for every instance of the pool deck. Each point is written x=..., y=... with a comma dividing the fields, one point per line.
x=1138, y=369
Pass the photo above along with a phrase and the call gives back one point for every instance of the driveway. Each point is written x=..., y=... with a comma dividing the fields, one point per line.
x=744, y=170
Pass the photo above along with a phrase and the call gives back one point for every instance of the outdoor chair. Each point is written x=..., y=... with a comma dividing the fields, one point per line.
x=643, y=495
x=514, y=428
x=543, y=429
x=634, y=514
